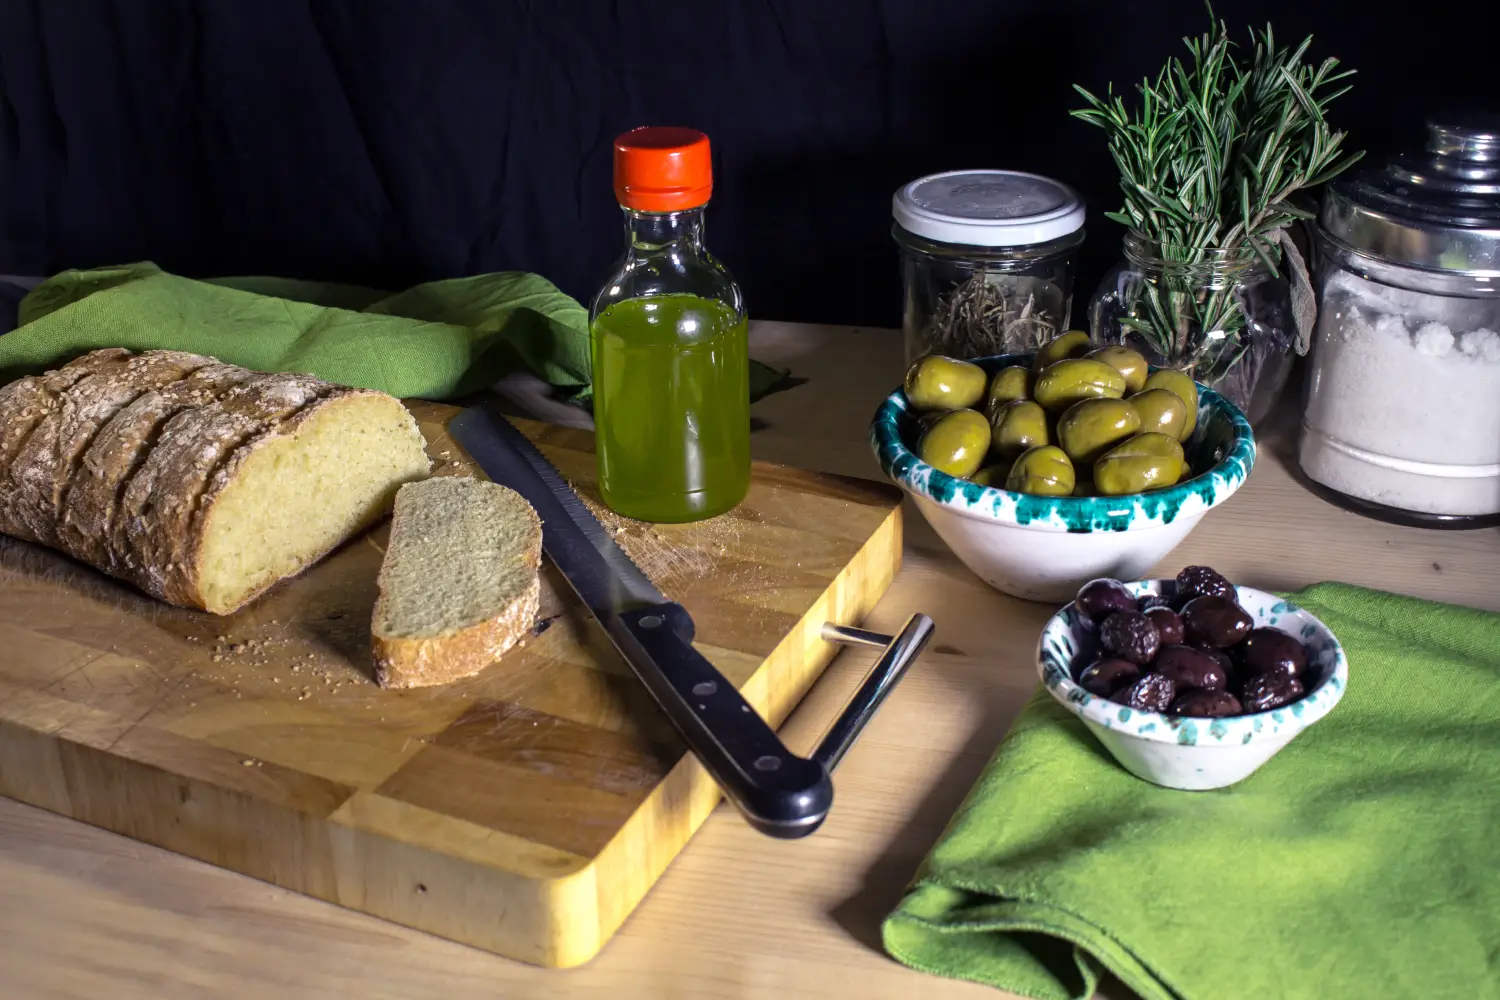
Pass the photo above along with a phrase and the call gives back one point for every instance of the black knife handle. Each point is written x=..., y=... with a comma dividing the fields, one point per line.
x=779, y=793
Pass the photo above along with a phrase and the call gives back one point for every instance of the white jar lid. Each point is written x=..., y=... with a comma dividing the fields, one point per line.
x=988, y=208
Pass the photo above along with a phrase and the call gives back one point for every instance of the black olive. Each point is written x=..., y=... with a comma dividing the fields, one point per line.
x=1268, y=651
x=1215, y=621
x=1200, y=581
x=1130, y=635
x=1222, y=658
x=1188, y=668
x=1263, y=692
x=1149, y=601
x=1106, y=676
x=1168, y=625
x=1098, y=599
x=1152, y=693
x=1206, y=704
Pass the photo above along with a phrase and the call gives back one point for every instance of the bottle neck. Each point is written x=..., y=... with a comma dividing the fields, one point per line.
x=655, y=232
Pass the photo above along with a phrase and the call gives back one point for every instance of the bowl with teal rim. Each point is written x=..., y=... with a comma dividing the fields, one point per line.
x=1044, y=548
x=1189, y=753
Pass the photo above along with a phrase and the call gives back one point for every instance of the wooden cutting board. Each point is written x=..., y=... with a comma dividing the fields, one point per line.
x=525, y=811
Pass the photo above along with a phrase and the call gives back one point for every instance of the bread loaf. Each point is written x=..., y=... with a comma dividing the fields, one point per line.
x=459, y=584
x=199, y=482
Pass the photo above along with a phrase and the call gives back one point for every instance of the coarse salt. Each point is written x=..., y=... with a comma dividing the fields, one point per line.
x=1404, y=407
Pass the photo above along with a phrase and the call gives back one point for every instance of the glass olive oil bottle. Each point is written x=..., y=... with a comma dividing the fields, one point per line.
x=668, y=332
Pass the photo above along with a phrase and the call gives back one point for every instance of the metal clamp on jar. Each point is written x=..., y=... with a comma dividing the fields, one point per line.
x=1402, y=416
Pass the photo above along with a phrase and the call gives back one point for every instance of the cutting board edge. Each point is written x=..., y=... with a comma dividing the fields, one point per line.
x=357, y=869
x=881, y=553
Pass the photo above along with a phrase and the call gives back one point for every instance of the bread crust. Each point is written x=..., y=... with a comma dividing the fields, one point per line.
x=26, y=406
x=116, y=455
x=402, y=662
x=45, y=466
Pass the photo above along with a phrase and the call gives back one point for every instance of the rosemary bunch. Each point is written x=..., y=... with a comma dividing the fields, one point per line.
x=1211, y=162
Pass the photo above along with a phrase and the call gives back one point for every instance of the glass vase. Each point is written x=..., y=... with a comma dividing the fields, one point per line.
x=1221, y=316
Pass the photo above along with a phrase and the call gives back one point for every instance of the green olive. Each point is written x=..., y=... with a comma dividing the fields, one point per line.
x=1009, y=384
x=1061, y=385
x=1162, y=411
x=1145, y=462
x=1186, y=388
x=957, y=443
x=1090, y=428
x=939, y=383
x=1083, y=488
x=1019, y=425
x=1045, y=471
x=1073, y=344
x=992, y=475
x=1151, y=443
x=1127, y=362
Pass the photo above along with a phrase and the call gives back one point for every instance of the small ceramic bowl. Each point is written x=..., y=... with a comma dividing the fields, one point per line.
x=1045, y=548
x=1188, y=753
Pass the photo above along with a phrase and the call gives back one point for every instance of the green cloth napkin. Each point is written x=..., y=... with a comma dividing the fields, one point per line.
x=1361, y=861
x=435, y=341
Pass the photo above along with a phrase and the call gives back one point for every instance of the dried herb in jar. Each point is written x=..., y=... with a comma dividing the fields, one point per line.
x=994, y=314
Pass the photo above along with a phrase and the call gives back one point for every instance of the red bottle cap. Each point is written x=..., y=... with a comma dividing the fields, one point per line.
x=663, y=169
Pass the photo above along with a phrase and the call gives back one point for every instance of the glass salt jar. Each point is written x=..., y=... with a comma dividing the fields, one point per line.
x=987, y=261
x=1402, y=410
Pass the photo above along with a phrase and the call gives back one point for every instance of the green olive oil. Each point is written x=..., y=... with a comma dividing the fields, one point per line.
x=671, y=407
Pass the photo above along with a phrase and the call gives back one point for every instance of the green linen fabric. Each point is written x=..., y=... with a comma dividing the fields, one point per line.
x=1362, y=861
x=440, y=340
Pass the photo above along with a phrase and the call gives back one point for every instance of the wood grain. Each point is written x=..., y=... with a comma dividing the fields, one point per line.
x=85, y=913
x=525, y=811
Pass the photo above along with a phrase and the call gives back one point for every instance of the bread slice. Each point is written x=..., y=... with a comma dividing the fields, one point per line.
x=201, y=483
x=459, y=583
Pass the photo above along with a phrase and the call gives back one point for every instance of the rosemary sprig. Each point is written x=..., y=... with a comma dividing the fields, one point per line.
x=1213, y=158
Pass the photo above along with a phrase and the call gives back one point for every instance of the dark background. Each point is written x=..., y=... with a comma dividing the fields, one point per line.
x=385, y=143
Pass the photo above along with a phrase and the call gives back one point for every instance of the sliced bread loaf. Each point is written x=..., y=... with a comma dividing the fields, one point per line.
x=459, y=584
x=201, y=483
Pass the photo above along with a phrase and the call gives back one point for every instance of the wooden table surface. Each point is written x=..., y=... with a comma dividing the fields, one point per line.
x=84, y=913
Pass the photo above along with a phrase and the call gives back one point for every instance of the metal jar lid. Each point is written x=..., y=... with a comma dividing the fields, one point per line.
x=1437, y=210
x=988, y=208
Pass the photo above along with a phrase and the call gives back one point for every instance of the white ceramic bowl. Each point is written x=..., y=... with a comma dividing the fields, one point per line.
x=1045, y=548
x=1194, y=754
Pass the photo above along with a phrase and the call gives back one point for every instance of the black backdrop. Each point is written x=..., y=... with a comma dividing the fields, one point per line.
x=392, y=141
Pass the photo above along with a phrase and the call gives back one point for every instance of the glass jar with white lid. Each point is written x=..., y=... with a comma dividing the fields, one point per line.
x=987, y=261
x=1402, y=410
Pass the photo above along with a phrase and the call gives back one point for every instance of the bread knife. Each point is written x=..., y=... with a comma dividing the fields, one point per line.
x=778, y=792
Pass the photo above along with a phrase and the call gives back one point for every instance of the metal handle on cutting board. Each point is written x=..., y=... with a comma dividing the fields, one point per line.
x=779, y=793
